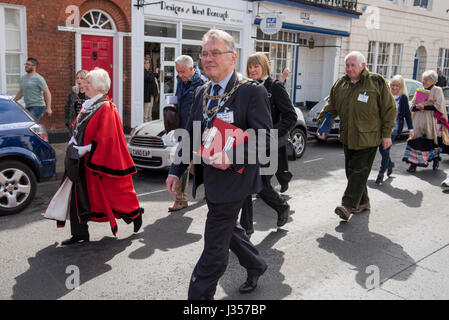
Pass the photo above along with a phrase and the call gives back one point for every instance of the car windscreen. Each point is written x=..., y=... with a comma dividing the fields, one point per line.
x=11, y=112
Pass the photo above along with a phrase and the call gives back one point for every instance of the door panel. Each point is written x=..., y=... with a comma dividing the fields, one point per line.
x=98, y=52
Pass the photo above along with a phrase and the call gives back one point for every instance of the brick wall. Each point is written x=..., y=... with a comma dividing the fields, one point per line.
x=55, y=50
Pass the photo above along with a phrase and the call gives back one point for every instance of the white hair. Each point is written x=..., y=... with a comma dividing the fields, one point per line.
x=430, y=75
x=185, y=60
x=100, y=80
x=216, y=34
x=360, y=57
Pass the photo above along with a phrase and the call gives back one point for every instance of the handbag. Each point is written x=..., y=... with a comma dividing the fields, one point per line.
x=59, y=206
x=171, y=118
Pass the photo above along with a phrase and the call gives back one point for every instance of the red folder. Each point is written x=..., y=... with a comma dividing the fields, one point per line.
x=221, y=137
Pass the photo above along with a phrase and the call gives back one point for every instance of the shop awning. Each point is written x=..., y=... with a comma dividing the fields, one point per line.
x=319, y=6
x=310, y=29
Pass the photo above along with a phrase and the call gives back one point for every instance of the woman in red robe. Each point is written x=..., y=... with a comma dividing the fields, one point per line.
x=105, y=165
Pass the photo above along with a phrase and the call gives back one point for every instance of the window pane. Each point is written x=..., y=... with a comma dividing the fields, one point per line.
x=12, y=63
x=235, y=35
x=194, y=52
x=12, y=19
x=159, y=29
x=193, y=33
x=12, y=40
x=12, y=84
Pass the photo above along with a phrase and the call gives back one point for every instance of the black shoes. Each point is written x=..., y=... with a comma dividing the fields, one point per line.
x=251, y=281
x=380, y=178
x=283, y=216
x=412, y=168
x=75, y=239
x=436, y=163
x=137, y=223
x=284, y=187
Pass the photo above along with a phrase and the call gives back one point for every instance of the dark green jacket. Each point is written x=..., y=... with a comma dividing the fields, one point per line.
x=367, y=110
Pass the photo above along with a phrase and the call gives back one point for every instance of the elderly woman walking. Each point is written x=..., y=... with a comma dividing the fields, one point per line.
x=424, y=148
x=102, y=188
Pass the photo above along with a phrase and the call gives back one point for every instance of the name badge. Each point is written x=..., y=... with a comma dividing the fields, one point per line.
x=226, y=116
x=363, y=97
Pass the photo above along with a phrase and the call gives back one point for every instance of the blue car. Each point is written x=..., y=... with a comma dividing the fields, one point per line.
x=26, y=157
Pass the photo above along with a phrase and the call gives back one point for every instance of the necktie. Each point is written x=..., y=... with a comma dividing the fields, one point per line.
x=214, y=103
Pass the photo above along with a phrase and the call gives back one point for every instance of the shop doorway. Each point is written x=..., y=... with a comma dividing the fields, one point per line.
x=153, y=53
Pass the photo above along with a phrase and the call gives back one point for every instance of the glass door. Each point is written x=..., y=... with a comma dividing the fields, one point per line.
x=169, y=52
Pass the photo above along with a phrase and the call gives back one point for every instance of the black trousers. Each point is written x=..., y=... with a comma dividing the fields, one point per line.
x=282, y=174
x=267, y=194
x=78, y=227
x=222, y=233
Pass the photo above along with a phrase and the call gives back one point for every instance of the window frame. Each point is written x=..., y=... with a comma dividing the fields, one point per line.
x=373, y=58
x=420, y=5
x=22, y=52
x=443, y=61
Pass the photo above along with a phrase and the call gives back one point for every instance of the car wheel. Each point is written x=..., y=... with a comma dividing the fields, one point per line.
x=17, y=186
x=299, y=140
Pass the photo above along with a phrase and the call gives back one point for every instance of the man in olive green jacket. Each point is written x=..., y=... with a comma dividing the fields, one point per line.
x=367, y=112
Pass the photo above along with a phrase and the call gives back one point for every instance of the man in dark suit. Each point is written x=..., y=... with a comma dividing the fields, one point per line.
x=244, y=104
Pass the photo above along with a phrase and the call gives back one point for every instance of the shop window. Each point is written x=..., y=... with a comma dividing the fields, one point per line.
x=160, y=29
x=11, y=49
x=193, y=33
x=281, y=56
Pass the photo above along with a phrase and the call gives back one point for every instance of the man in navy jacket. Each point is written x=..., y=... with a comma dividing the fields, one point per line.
x=244, y=104
x=189, y=78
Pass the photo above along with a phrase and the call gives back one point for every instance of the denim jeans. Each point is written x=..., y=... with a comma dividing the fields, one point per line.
x=37, y=112
x=385, y=153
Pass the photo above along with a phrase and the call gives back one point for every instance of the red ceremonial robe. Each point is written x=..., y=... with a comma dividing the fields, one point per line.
x=109, y=167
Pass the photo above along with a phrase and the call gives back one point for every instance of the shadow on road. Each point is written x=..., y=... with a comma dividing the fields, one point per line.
x=46, y=277
x=405, y=196
x=270, y=285
x=362, y=248
x=166, y=233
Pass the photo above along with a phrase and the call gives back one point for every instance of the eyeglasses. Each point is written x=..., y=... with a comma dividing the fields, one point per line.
x=29, y=64
x=212, y=54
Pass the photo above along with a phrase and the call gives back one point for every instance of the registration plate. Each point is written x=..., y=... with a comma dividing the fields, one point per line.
x=141, y=153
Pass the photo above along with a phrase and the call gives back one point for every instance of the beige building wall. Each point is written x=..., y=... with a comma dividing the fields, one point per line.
x=398, y=21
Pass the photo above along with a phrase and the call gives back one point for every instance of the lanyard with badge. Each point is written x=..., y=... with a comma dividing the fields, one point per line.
x=363, y=97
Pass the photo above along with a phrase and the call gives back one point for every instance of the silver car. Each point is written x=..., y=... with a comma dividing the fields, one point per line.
x=312, y=126
x=152, y=148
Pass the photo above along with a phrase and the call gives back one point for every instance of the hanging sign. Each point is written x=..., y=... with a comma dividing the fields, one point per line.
x=271, y=24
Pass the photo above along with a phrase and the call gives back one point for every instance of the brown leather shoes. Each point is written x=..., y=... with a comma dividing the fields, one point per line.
x=178, y=205
x=362, y=207
x=343, y=212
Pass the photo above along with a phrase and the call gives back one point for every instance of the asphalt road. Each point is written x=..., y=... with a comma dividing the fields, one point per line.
x=397, y=250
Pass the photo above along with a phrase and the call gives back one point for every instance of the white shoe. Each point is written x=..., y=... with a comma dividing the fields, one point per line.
x=445, y=183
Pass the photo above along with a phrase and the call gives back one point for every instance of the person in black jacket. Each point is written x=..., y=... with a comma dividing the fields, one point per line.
x=75, y=99
x=284, y=118
x=399, y=92
x=227, y=183
x=150, y=90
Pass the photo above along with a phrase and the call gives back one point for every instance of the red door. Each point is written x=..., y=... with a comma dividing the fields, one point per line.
x=98, y=52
